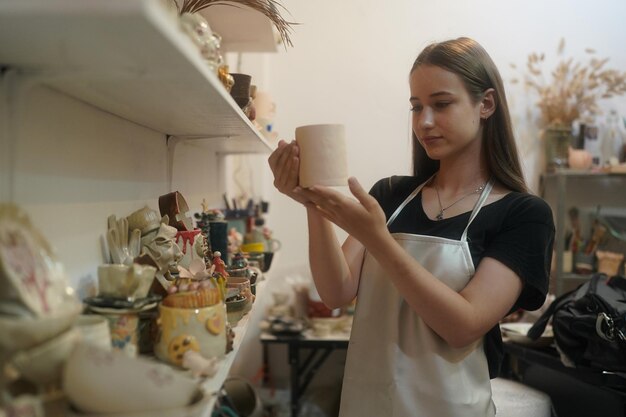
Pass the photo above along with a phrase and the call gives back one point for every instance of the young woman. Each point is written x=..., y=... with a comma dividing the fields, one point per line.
x=436, y=259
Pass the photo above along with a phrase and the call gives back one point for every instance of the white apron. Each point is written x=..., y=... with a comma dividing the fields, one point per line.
x=396, y=365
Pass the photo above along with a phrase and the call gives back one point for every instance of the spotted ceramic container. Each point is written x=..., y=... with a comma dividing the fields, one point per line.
x=200, y=329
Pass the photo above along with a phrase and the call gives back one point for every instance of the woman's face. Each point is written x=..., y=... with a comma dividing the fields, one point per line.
x=444, y=118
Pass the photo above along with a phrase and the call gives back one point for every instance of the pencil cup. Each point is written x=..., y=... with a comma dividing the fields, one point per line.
x=323, y=159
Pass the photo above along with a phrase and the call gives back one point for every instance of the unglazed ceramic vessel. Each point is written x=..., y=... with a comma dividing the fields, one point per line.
x=323, y=158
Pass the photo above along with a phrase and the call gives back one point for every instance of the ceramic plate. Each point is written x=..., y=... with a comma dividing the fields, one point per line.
x=110, y=310
x=31, y=278
x=115, y=304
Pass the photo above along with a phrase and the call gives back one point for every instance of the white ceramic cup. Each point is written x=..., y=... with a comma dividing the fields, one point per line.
x=323, y=159
x=125, y=281
x=94, y=330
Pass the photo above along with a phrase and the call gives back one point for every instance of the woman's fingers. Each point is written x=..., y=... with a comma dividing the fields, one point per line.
x=284, y=165
x=359, y=192
x=289, y=174
x=323, y=197
x=277, y=153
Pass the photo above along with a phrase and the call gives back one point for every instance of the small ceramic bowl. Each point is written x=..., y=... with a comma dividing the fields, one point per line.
x=98, y=381
x=245, y=289
x=94, y=330
x=43, y=363
x=236, y=309
x=17, y=333
x=125, y=281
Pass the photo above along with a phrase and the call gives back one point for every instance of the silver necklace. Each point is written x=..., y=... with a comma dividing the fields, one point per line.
x=439, y=215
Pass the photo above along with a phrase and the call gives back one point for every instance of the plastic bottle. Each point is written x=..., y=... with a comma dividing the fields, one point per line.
x=612, y=138
x=592, y=143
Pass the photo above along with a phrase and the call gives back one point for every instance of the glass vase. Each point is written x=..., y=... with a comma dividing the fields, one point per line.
x=557, y=140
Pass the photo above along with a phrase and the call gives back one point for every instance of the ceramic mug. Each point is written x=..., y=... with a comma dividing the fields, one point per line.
x=323, y=158
x=579, y=159
x=94, y=330
x=253, y=247
x=125, y=281
x=273, y=245
x=241, y=89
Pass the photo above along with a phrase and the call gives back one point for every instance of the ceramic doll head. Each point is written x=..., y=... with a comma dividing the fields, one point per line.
x=163, y=250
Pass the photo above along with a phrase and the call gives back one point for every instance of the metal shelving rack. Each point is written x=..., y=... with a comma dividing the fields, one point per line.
x=566, y=188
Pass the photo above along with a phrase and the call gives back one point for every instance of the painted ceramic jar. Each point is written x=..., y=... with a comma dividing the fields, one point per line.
x=199, y=329
x=124, y=329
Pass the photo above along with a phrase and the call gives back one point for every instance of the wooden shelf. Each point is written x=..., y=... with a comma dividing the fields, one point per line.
x=129, y=58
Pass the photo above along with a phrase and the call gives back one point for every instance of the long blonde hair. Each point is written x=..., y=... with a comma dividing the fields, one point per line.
x=467, y=59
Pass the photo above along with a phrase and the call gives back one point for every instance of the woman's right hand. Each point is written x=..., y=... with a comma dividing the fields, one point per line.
x=285, y=164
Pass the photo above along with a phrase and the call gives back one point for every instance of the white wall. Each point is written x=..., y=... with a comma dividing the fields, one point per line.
x=70, y=166
x=350, y=64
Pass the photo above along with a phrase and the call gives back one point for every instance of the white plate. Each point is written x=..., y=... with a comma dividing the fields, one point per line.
x=30, y=275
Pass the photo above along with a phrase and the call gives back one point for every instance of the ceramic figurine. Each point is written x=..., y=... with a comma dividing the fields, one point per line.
x=198, y=365
x=193, y=245
x=163, y=250
x=192, y=278
x=122, y=247
x=220, y=266
x=224, y=76
x=220, y=273
x=214, y=228
x=145, y=219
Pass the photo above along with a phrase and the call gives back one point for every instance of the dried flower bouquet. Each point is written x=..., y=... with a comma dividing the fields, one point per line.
x=574, y=88
x=270, y=8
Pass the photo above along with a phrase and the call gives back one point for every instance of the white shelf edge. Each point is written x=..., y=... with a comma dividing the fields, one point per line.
x=150, y=72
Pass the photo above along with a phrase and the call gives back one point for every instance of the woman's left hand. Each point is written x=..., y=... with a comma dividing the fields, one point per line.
x=362, y=218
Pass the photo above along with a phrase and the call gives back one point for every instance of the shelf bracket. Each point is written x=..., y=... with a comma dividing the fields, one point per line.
x=13, y=85
x=171, y=142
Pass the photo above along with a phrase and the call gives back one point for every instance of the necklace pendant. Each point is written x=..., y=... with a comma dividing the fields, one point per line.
x=439, y=216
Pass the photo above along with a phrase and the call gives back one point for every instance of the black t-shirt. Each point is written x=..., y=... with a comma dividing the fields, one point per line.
x=517, y=230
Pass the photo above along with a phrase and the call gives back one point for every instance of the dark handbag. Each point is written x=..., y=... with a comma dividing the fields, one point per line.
x=589, y=324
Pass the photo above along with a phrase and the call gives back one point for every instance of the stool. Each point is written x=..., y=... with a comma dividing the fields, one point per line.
x=513, y=399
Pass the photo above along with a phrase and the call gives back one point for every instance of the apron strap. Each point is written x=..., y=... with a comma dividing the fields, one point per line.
x=478, y=206
x=408, y=200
